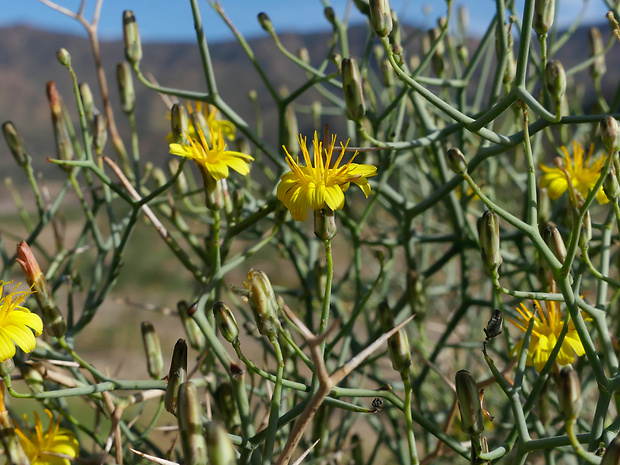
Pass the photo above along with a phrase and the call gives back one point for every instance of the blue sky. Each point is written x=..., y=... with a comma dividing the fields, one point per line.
x=171, y=20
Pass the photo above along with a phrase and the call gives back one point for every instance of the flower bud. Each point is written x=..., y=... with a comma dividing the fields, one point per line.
x=152, y=348
x=219, y=446
x=468, y=397
x=265, y=23
x=304, y=55
x=544, y=12
x=226, y=322
x=463, y=53
x=381, y=17
x=555, y=80
x=100, y=132
x=176, y=376
x=64, y=147
x=180, y=124
x=125, y=87
x=263, y=303
x=363, y=6
x=225, y=401
x=569, y=393
x=159, y=176
x=52, y=318
x=456, y=160
x=13, y=141
x=438, y=59
x=488, y=232
x=609, y=132
x=544, y=205
x=181, y=186
x=191, y=430
x=131, y=37
x=195, y=336
x=325, y=224
x=398, y=344
x=416, y=294
x=612, y=453
x=552, y=237
x=586, y=230
x=494, y=325
x=63, y=57
x=87, y=101
x=610, y=184
x=387, y=73
x=395, y=35
x=598, y=67
x=330, y=15
x=33, y=379
x=352, y=88
x=291, y=130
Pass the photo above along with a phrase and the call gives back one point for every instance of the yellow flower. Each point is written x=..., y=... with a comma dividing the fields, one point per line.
x=215, y=160
x=321, y=183
x=545, y=334
x=56, y=446
x=582, y=173
x=17, y=324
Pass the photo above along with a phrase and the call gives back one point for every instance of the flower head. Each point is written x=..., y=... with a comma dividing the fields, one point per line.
x=56, y=446
x=16, y=324
x=583, y=174
x=214, y=159
x=321, y=183
x=545, y=334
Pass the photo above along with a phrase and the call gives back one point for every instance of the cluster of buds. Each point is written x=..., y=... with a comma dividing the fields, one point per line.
x=52, y=318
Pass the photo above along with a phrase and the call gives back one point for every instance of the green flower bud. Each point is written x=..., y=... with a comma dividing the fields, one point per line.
x=152, y=348
x=609, y=132
x=363, y=6
x=598, y=67
x=226, y=322
x=395, y=35
x=87, y=101
x=352, y=88
x=468, y=397
x=612, y=453
x=555, y=80
x=456, y=161
x=463, y=20
x=265, y=23
x=64, y=147
x=33, y=379
x=195, y=336
x=569, y=393
x=63, y=57
x=494, y=325
x=544, y=205
x=380, y=17
x=463, y=53
x=586, y=230
x=180, y=124
x=100, y=132
x=488, y=232
x=398, y=344
x=544, y=12
x=330, y=15
x=181, y=185
x=125, y=87
x=13, y=141
x=303, y=55
x=263, y=303
x=159, y=176
x=191, y=430
x=387, y=73
x=610, y=184
x=131, y=37
x=325, y=224
x=220, y=447
x=552, y=237
x=225, y=401
x=416, y=293
x=176, y=376
x=291, y=130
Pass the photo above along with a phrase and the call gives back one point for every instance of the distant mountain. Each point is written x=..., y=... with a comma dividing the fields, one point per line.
x=28, y=61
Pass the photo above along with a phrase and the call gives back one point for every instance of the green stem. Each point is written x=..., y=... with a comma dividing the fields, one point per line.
x=274, y=413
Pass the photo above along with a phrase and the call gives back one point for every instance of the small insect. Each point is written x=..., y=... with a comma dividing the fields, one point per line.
x=495, y=325
x=377, y=404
